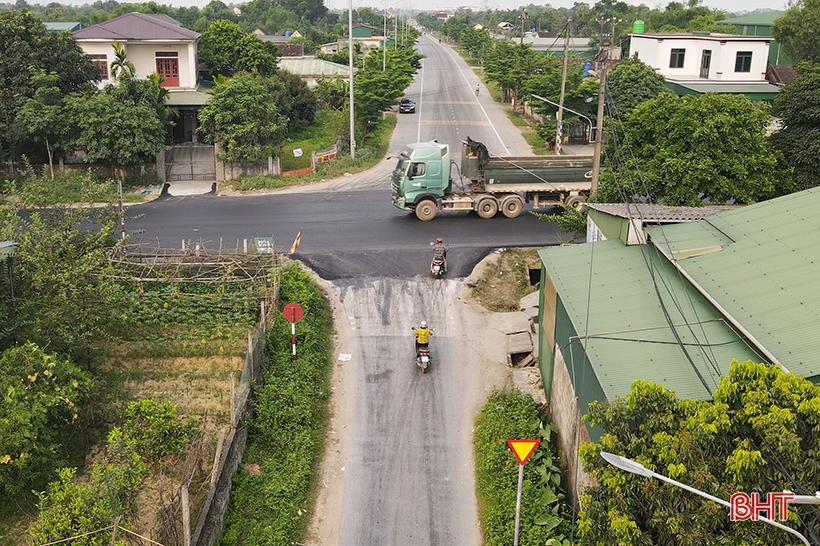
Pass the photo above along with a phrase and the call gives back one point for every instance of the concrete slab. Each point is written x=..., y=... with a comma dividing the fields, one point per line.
x=529, y=301
x=512, y=322
x=179, y=188
x=519, y=342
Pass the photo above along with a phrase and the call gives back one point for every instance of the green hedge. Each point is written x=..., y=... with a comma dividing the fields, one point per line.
x=287, y=430
x=544, y=514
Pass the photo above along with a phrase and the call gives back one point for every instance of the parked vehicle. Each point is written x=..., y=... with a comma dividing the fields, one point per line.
x=407, y=106
x=422, y=181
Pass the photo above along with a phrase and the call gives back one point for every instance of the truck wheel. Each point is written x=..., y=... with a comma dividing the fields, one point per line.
x=426, y=210
x=512, y=206
x=578, y=202
x=487, y=207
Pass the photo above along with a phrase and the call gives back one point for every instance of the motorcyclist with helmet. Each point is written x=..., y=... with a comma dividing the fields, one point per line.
x=440, y=252
x=422, y=334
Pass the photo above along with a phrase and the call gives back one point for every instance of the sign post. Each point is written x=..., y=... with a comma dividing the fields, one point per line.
x=293, y=313
x=522, y=449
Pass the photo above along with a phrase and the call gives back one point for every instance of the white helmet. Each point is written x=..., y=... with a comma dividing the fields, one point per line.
x=424, y=324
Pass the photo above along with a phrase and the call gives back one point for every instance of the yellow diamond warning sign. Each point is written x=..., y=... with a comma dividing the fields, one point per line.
x=523, y=449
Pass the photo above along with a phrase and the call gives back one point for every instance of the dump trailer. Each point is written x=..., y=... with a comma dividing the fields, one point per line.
x=422, y=181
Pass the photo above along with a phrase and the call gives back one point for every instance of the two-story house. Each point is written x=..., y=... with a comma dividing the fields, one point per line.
x=701, y=62
x=153, y=43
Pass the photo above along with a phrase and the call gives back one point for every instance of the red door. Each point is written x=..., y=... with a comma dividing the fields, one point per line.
x=168, y=68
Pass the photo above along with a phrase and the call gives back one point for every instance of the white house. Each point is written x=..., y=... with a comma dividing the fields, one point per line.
x=698, y=62
x=152, y=42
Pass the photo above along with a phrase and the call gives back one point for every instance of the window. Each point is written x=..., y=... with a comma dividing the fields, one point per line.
x=168, y=67
x=676, y=60
x=743, y=62
x=417, y=169
x=101, y=62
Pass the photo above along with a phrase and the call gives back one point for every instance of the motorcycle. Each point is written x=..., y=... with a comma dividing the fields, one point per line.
x=423, y=354
x=423, y=357
x=437, y=266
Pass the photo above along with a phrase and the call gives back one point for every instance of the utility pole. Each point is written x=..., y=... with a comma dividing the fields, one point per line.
x=384, y=38
x=350, y=67
x=559, y=131
x=523, y=14
x=603, y=52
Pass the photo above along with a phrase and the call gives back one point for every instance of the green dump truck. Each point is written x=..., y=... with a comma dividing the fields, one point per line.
x=422, y=181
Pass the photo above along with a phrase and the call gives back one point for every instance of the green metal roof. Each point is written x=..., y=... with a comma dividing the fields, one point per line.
x=628, y=336
x=753, y=90
x=765, y=273
x=767, y=18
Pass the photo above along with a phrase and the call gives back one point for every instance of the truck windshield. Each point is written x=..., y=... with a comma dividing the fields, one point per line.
x=401, y=167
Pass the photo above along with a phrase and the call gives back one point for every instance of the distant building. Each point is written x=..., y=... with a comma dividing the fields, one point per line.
x=550, y=44
x=60, y=27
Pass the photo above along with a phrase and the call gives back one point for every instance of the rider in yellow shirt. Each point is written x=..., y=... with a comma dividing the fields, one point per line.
x=422, y=335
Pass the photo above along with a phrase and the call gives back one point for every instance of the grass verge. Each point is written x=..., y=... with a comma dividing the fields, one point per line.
x=272, y=490
x=502, y=283
x=544, y=514
x=366, y=157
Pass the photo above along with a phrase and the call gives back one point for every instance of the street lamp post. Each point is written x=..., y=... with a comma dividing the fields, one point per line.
x=635, y=467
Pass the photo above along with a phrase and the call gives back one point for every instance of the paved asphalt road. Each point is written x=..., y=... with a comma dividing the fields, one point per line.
x=408, y=476
x=349, y=227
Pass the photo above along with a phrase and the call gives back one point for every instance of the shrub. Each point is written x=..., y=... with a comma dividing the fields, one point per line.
x=43, y=396
x=508, y=416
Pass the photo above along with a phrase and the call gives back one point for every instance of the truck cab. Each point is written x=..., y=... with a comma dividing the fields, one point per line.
x=422, y=173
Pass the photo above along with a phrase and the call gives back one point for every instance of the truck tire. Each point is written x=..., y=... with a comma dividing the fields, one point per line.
x=426, y=210
x=512, y=206
x=487, y=207
x=578, y=202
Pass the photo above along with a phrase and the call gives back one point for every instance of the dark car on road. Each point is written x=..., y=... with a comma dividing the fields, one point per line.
x=407, y=106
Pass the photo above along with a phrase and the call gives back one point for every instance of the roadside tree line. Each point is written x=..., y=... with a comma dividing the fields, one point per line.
x=676, y=150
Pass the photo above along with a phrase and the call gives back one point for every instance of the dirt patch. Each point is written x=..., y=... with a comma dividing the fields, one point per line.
x=503, y=278
x=180, y=364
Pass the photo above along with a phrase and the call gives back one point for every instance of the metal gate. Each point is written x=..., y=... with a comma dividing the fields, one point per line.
x=190, y=161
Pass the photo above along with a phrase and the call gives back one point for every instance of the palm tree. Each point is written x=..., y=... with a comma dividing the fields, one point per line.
x=121, y=64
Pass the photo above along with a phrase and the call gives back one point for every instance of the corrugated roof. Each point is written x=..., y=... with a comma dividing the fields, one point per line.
x=659, y=213
x=311, y=66
x=735, y=88
x=766, y=273
x=137, y=26
x=182, y=98
x=766, y=18
x=629, y=336
x=60, y=26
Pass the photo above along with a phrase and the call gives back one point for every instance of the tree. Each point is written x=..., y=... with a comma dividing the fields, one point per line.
x=42, y=117
x=758, y=435
x=685, y=150
x=797, y=32
x=116, y=132
x=121, y=67
x=43, y=396
x=242, y=117
x=798, y=107
x=631, y=83
x=226, y=50
x=296, y=101
x=60, y=299
x=28, y=50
